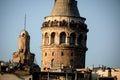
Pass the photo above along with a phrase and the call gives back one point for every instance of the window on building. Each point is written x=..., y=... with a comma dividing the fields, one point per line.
x=80, y=38
x=46, y=38
x=71, y=54
x=62, y=54
x=62, y=37
x=52, y=62
x=52, y=38
x=71, y=63
x=72, y=38
x=45, y=54
x=44, y=68
x=52, y=53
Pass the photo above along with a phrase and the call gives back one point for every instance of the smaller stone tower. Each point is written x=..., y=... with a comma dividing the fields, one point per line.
x=23, y=59
x=23, y=55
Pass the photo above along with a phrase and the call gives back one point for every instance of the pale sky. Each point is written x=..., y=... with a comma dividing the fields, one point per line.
x=102, y=18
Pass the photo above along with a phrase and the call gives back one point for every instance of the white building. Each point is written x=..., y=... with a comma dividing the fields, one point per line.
x=105, y=72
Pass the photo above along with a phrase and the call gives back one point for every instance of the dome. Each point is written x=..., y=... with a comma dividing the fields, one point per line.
x=24, y=32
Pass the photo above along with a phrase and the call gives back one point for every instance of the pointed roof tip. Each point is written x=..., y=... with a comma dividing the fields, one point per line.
x=25, y=22
x=65, y=8
x=24, y=31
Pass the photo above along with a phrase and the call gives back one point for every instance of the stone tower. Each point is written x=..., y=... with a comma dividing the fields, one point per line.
x=24, y=41
x=23, y=60
x=23, y=44
x=23, y=55
x=64, y=35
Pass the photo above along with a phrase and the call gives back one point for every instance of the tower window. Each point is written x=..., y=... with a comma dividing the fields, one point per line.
x=46, y=38
x=72, y=38
x=52, y=53
x=62, y=54
x=71, y=63
x=52, y=62
x=52, y=38
x=44, y=68
x=45, y=54
x=80, y=38
x=62, y=37
x=71, y=54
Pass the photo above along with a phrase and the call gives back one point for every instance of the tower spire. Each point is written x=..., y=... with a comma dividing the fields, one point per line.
x=25, y=22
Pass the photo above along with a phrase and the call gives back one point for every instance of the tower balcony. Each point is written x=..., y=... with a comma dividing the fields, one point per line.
x=72, y=25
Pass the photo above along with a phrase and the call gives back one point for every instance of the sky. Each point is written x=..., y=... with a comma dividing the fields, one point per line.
x=102, y=18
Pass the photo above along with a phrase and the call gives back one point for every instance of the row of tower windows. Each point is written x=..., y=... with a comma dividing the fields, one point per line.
x=62, y=54
x=63, y=37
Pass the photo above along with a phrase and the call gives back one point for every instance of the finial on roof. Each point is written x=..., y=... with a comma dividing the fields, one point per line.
x=24, y=30
x=25, y=22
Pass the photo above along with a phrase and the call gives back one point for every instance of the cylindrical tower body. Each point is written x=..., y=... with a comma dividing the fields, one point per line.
x=24, y=47
x=64, y=36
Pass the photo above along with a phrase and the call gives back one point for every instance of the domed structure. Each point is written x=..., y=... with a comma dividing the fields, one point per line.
x=24, y=32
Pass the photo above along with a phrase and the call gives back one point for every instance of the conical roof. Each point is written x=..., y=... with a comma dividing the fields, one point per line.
x=65, y=8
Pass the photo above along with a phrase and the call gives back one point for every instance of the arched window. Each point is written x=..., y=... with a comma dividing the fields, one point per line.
x=52, y=38
x=71, y=63
x=46, y=38
x=52, y=62
x=72, y=38
x=80, y=38
x=62, y=37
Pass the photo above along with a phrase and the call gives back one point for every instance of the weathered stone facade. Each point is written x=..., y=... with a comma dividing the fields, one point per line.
x=64, y=35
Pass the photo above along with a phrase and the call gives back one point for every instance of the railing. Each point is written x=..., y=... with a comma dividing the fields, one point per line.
x=72, y=24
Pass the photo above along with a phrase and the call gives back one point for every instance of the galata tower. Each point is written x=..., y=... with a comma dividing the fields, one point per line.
x=64, y=35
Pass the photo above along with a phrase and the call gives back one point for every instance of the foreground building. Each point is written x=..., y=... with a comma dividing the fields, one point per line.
x=64, y=35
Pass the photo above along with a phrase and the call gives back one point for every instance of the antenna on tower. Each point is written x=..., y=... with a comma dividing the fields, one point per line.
x=25, y=22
